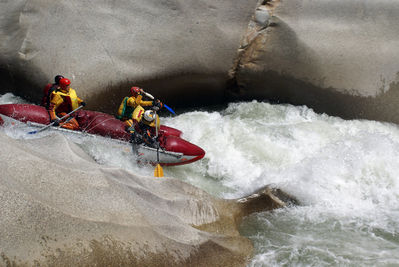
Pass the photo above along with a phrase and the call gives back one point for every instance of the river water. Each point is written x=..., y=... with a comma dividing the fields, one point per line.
x=345, y=173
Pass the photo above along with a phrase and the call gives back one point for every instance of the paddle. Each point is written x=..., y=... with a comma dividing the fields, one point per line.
x=51, y=124
x=168, y=108
x=152, y=97
x=158, y=172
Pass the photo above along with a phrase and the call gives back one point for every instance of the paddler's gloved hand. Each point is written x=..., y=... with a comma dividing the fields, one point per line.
x=56, y=122
x=83, y=103
x=157, y=105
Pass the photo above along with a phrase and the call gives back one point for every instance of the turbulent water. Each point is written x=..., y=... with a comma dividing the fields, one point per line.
x=344, y=173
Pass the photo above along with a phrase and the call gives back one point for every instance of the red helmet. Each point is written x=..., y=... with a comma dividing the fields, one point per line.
x=64, y=82
x=135, y=90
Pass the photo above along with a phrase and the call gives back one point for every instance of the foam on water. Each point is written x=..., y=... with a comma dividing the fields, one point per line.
x=344, y=173
x=9, y=98
x=315, y=157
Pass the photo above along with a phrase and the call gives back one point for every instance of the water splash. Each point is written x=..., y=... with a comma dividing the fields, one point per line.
x=345, y=173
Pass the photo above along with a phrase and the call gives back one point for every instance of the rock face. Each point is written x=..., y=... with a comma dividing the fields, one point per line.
x=338, y=57
x=64, y=209
x=107, y=46
x=335, y=56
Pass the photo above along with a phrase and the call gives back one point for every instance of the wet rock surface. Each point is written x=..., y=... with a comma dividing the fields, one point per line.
x=64, y=209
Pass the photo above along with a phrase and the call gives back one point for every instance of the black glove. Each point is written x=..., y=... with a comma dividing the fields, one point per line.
x=83, y=103
x=56, y=122
x=156, y=105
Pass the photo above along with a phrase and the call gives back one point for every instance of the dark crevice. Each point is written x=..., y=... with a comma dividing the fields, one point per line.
x=214, y=92
x=281, y=89
x=22, y=84
x=181, y=92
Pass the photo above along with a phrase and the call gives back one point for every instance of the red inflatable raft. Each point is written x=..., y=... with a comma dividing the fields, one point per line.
x=174, y=150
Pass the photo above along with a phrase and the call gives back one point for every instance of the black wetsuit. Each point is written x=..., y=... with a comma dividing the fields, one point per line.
x=144, y=134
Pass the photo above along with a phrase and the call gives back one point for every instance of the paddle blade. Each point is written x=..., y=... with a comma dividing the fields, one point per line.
x=168, y=108
x=158, y=172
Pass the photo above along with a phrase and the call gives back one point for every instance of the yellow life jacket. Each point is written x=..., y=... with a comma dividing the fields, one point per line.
x=129, y=104
x=124, y=111
x=138, y=114
x=72, y=96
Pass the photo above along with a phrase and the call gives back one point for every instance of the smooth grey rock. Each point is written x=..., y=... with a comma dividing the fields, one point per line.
x=336, y=56
x=105, y=47
x=64, y=202
x=61, y=208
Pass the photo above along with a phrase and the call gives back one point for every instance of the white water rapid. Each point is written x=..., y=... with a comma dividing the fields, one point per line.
x=344, y=173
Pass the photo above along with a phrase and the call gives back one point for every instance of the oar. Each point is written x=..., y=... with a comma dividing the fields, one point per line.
x=158, y=172
x=152, y=97
x=51, y=124
x=168, y=108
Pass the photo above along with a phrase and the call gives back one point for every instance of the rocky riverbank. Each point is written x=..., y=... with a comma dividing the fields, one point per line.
x=64, y=209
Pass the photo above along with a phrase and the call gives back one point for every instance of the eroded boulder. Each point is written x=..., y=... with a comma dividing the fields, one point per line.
x=64, y=209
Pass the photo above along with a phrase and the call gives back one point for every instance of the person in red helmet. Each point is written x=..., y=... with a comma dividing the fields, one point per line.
x=48, y=89
x=63, y=101
x=129, y=104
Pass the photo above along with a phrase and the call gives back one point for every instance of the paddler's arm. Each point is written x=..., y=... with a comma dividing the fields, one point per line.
x=141, y=102
x=55, y=102
x=81, y=102
x=146, y=103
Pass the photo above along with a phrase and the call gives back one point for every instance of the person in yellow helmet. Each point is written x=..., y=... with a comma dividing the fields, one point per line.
x=145, y=130
x=63, y=101
x=129, y=104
